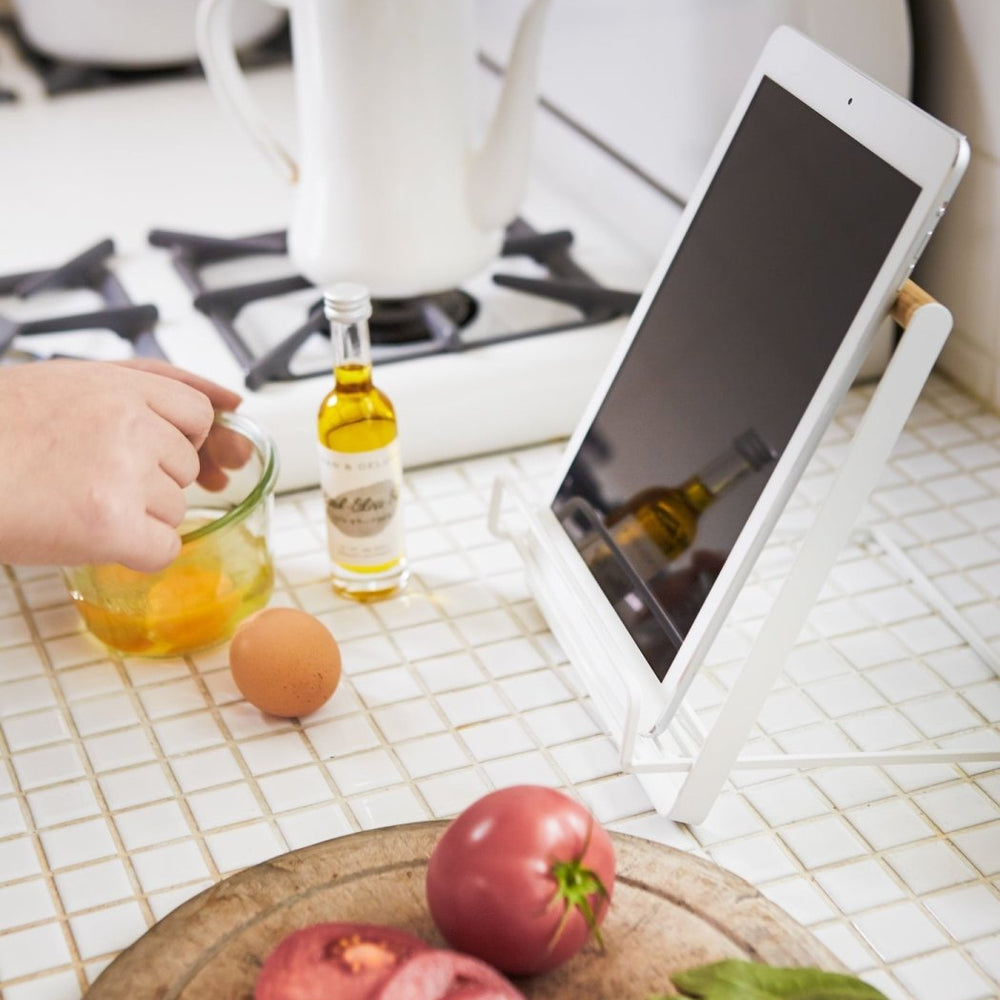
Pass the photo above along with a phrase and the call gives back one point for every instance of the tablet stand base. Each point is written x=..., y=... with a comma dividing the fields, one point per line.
x=684, y=768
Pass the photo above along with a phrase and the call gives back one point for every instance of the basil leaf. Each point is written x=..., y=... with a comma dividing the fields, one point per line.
x=735, y=980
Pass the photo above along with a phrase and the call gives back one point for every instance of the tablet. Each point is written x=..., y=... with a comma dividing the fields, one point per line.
x=815, y=204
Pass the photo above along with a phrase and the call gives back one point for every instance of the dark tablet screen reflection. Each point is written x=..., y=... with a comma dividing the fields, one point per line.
x=797, y=222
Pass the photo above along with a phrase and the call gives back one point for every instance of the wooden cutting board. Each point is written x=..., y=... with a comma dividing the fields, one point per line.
x=670, y=911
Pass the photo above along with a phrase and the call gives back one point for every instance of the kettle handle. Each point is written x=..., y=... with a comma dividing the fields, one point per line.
x=214, y=39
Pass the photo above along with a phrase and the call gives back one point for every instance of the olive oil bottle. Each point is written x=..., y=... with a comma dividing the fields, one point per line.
x=657, y=525
x=360, y=467
x=668, y=515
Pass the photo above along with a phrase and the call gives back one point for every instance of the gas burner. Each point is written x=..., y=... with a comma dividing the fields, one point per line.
x=400, y=321
x=402, y=329
x=132, y=323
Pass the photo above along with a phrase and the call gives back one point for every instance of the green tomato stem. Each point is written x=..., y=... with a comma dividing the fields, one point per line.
x=575, y=884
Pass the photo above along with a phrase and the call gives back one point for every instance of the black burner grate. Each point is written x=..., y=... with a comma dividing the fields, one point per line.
x=133, y=323
x=402, y=329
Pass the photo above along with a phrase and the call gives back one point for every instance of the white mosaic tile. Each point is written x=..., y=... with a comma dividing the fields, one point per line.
x=823, y=841
x=900, y=931
x=93, y=884
x=408, y=721
x=34, y=949
x=560, y=723
x=100, y=715
x=271, y=753
x=205, y=769
x=313, y=826
x=986, y=954
x=471, y=705
x=26, y=902
x=342, y=736
x=859, y=885
x=34, y=729
x=981, y=847
x=500, y=738
x=77, y=843
x=801, y=900
x=135, y=786
x=68, y=801
x=928, y=867
x=759, y=859
x=107, y=930
x=786, y=801
x=387, y=807
x=219, y=807
x=22, y=661
x=957, y=806
x=615, y=799
x=295, y=788
x=364, y=771
x=188, y=732
x=59, y=986
x=534, y=690
x=447, y=795
x=847, y=944
x=968, y=913
x=730, y=818
x=48, y=765
x=946, y=973
x=130, y=788
x=526, y=769
x=242, y=846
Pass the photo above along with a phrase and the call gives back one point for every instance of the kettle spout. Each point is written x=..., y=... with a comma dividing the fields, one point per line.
x=498, y=172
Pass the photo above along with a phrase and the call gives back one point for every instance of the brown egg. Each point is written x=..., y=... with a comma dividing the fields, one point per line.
x=284, y=661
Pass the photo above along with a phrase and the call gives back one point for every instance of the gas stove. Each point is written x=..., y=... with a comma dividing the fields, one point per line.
x=512, y=356
x=145, y=200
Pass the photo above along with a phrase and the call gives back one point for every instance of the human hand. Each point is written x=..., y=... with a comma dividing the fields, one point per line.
x=94, y=458
x=222, y=449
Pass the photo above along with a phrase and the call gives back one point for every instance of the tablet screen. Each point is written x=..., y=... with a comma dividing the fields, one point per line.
x=775, y=264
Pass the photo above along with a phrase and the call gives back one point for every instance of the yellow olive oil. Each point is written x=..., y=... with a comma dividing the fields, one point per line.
x=360, y=467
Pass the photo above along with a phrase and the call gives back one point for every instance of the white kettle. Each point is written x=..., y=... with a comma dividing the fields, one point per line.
x=394, y=188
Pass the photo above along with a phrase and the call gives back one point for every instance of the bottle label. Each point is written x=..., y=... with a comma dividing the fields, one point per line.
x=361, y=493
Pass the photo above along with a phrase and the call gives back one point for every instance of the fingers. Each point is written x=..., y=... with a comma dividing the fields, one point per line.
x=223, y=449
x=226, y=448
x=153, y=546
x=189, y=410
x=220, y=397
x=175, y=454
x=188, y=402
x=165, y=500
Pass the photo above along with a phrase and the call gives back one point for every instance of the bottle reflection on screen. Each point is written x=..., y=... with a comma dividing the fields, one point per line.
x=660, y=523
x=652, y=530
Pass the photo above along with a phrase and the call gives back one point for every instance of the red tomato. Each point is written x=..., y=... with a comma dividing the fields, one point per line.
x=521, y=879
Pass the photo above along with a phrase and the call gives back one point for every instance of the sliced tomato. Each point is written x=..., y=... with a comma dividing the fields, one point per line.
x=440, y=974
x=344, y=960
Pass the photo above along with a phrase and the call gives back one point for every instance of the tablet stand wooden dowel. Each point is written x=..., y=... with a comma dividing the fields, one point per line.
x=705, y=757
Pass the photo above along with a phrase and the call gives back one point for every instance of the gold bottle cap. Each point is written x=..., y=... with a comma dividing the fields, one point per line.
x=347, y=302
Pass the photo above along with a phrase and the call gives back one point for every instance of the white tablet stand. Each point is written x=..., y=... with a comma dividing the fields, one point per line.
x=685, y=768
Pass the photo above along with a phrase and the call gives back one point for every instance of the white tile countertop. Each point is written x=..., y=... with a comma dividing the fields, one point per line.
x=127, y=786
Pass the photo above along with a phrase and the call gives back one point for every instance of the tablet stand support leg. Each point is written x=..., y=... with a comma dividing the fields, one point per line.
x=927, y=324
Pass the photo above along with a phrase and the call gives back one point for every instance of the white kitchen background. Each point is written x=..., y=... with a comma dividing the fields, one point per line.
x=656, y=79
x=127, y=790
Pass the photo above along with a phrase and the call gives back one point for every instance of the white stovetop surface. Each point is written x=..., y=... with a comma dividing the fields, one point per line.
x=128, y=786
x=123, y=161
